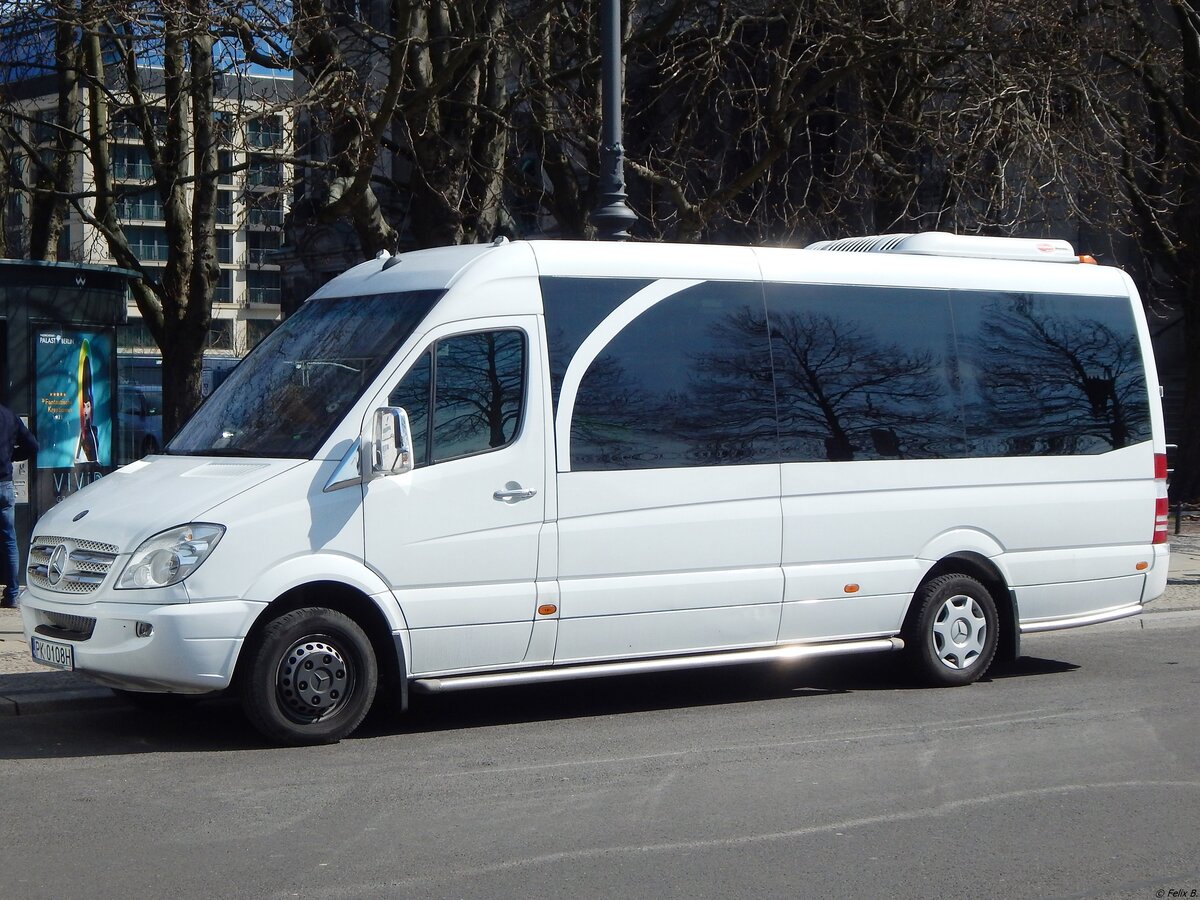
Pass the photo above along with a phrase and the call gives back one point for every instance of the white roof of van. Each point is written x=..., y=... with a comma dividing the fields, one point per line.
x=445, y=267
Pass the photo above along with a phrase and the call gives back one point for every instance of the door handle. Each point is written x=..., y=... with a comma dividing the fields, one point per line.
x=513, y=493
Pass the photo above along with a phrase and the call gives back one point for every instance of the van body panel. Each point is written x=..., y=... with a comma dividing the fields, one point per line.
x=286, y=529
x=664, y=633
x=843, y=617
x=1045, y=602
x=703, y=541
x=151, y=495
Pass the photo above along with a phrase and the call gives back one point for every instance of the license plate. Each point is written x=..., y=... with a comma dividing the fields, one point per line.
x=52, y=653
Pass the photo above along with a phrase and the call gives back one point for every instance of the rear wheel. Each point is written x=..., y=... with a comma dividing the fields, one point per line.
x=310, y=678
x=953, y=630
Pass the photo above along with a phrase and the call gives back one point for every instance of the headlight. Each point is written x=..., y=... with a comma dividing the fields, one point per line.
x=171, y=556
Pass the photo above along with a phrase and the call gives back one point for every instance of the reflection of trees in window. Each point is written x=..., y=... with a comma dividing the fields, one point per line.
x=294, y=388
x=845, y=393
x=680, y=385
x=412, y=395
x=730, y=413
x=574, y=307
x=1057, y=375
x=475, y=384
x=479, y=384
x=609, y=408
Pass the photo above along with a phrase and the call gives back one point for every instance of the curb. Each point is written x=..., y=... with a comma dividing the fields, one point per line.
x=30, y=703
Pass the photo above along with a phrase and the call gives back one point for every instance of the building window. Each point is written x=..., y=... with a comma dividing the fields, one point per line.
x=225, y=165
x=220, y=335
x=148, y=244
x=145, y=206
x=224, y=207
x=43, y=128
x=223, y=290
x=261, y=245
x=263, y=287
x=256, y=330
x=131, y=164
x=265, y=133
x=266, y=209
x=135, y=337
x=224, y=246
x=264, y=171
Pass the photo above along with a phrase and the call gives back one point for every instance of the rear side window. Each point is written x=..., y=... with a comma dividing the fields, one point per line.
x=1049, y=375
x=465, y=395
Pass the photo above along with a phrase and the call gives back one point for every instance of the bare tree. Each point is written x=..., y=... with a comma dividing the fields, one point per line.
x=150, y=72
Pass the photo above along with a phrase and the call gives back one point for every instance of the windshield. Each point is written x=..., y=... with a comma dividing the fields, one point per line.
x=287, y=396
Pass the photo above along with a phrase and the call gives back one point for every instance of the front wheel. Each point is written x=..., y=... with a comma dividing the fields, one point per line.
x=953, y=632
x=310, y=677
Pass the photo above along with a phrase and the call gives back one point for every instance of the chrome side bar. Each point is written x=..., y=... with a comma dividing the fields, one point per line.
x=783, y=653
x=1108, y=615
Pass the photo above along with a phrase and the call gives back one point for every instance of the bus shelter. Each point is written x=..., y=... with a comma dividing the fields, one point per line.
x=58, y=371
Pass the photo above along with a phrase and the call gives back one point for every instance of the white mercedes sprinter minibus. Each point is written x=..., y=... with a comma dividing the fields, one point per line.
x=520, y=462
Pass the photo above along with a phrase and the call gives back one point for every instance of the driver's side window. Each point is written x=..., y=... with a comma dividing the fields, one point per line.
x=464, y=395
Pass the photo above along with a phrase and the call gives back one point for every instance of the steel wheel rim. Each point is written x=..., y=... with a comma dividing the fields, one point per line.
x=315, y=679
x=960, y=631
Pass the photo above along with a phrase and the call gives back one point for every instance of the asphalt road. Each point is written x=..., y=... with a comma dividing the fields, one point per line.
x=1073, y=773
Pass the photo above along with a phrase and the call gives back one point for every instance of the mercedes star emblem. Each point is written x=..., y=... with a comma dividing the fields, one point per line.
x=58, y=564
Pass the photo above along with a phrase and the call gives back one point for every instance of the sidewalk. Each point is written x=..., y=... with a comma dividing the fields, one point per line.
x=27, y=688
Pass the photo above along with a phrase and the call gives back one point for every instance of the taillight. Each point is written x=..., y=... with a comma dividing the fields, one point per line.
x=1162, y=507
x=1161, y=514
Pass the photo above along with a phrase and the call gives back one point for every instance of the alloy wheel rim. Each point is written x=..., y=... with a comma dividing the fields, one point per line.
x=959, y=632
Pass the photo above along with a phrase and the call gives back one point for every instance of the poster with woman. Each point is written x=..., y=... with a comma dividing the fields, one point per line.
x=74, y=399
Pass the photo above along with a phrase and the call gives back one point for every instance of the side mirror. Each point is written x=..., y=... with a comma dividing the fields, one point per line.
x=391, y=442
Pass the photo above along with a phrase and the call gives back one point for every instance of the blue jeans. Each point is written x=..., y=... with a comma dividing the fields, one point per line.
x=10, y=572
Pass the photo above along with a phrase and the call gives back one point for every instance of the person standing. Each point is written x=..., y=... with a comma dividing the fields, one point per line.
x=16, y=443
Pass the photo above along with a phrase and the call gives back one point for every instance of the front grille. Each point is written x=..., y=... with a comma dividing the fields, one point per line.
x=80, y=571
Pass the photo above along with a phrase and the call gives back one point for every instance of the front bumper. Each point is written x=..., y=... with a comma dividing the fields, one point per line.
x=192, y=647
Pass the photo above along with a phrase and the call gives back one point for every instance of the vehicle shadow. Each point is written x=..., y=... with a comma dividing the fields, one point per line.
x=115, y=727
x=747, y=683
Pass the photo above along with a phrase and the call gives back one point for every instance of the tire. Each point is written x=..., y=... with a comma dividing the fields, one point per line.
x=279, y=694
x=953, y=631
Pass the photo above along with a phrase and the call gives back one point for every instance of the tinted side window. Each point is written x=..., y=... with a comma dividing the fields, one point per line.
x=864, y=373
x=1049, y=375
x=413, y=393
x=686, y=383
x=574, y=307
x=465, y=395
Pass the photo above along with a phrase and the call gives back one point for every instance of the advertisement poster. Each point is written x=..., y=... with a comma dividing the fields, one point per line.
x=74, y=399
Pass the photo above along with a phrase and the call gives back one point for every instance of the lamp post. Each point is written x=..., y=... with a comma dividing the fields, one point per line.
x=613, y=217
